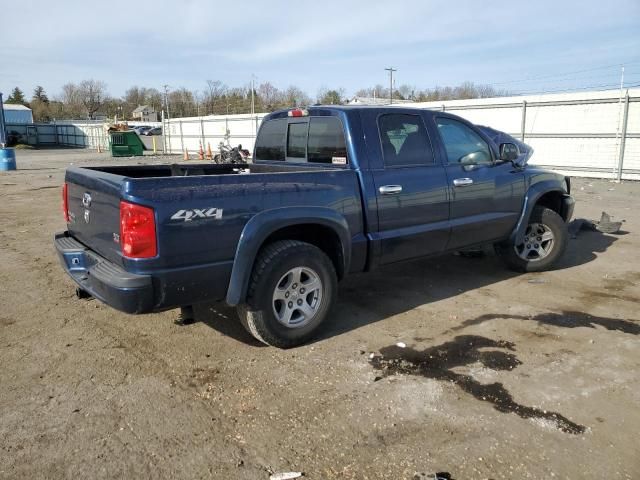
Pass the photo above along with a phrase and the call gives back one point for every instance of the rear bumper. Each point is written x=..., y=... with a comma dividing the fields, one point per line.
x=104, y=280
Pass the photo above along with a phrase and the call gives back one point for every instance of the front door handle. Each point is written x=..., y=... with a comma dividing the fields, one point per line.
x=462, y=182
x=390, y=189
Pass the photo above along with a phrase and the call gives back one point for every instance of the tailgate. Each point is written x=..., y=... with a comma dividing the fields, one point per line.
x=94, y=210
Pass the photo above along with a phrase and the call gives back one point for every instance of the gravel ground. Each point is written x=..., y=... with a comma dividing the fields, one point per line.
x=501, y=375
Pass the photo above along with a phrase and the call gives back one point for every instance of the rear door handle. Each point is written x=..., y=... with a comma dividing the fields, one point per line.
x=390, y=189
x=462, y=182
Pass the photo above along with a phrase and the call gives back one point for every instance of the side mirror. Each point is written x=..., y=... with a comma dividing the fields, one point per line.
x=509, y=152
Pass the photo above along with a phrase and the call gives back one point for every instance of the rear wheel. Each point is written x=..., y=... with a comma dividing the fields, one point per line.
x=544, y=242
x=291, y=291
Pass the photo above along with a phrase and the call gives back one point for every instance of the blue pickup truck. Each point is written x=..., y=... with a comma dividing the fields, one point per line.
x=332, y=190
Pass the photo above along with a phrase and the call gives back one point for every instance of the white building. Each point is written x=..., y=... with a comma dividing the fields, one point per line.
x=376, y=101
x=14, y=113
x=145, y=113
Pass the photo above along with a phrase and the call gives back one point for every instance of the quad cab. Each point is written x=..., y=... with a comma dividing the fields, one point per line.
x=333, y=190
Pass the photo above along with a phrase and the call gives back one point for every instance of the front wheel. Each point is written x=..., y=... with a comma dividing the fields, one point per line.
x=292, y=289
x=544, y=242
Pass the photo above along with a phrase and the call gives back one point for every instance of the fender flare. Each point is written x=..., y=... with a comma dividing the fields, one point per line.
x=260, y=226
x=530, y=199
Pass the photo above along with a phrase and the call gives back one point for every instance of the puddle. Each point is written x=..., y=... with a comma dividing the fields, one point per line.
x=438, y=362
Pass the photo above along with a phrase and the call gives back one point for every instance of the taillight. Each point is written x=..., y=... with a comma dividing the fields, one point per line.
x=298, y=112
x=137, y=231
x=65, y=201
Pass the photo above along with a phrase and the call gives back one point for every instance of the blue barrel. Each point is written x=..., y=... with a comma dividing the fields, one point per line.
x=7, y=159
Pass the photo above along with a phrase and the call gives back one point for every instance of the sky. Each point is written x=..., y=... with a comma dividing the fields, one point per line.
x=520, y=46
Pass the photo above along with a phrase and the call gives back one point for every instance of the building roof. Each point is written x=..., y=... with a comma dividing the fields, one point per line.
x=142, y=108
x=375, y=101
x=15, y=106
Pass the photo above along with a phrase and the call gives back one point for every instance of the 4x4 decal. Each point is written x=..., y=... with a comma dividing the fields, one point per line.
x=189, y=215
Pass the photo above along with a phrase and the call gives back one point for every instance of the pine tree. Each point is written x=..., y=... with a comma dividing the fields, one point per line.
x=40, y=95
x=16, y=97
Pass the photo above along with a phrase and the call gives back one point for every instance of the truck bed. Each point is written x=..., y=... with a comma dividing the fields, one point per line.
x=195, y=251
x=184, y=170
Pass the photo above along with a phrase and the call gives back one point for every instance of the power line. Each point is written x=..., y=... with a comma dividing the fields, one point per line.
x=615, y=86
x=556, y=75
x=589, y=77
x=629, y=79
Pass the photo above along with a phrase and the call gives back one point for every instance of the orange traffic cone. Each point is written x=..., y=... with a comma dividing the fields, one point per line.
x=200, y=152
x=186, y=155
x=209, y=153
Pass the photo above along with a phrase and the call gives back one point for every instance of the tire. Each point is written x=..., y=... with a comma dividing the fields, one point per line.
x=217, y=158
x=548, y=237
x=279, y=310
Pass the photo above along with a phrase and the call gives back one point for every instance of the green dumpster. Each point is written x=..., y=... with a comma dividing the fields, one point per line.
x=125, y=144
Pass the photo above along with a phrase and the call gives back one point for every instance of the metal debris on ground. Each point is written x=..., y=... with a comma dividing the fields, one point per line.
x=432, y=476
x=604, y=225
x=286, y=475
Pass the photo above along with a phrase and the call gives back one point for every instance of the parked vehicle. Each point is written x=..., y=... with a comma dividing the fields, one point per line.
x=228, y=154
x=153, y=131
x=142, y=129
x=332, y=191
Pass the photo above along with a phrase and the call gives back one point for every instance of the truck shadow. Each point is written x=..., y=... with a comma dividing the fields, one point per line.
x=375, y=296
x=371, y=297
x=564, y=319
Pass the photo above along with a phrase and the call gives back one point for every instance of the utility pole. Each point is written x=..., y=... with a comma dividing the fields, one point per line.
x=617, y=169
x=253, y=106
x=3, y=136
x=391, y=70
x=166, y=99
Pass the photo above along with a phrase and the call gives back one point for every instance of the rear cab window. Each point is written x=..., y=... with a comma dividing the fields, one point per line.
x=303, y=140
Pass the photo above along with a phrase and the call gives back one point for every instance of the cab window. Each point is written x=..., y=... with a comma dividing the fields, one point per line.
x=270, y=141
x=326, y=141
x=462, y=144
x=313, y=140
x=297, y=141
x=404, y=140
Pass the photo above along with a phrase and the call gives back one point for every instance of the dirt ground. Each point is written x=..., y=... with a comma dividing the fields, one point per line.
x=503, y=375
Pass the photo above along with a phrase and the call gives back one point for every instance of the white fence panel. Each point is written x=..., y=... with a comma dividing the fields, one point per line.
x=506, y=119
x=582, y=134
x=189, y=133
x=578, y=133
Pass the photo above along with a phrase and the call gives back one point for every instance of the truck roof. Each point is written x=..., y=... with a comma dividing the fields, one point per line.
x=311, y=109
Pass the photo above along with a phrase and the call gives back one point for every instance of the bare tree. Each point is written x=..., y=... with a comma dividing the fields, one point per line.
x=213, y=96
x=70, y=102
x=182, y=103
x=269, y=95
x=92, y=94
x=295, y=97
